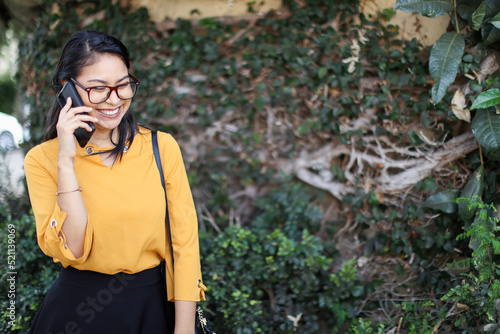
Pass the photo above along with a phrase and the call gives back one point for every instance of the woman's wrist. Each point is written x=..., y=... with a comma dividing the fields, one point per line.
x=180, y=329
x=185, y=312
x=64, y=162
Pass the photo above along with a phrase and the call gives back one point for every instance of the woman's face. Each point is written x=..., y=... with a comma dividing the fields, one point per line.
x=108, y=70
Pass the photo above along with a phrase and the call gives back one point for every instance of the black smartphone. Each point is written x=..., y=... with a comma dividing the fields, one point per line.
x=69, y=90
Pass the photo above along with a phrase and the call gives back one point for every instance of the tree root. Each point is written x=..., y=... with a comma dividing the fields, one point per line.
x=383, y=165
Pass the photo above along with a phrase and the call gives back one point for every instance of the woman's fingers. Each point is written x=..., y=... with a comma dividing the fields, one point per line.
x=67, y=110
x=83, y=120
x=69, y=120
x=69, y=115
x=72, y=118
x=67, y=106
x=84, y=124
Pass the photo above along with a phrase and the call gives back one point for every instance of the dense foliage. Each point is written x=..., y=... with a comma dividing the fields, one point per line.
x=8, y=87
x=478, y=23
x=325, y=178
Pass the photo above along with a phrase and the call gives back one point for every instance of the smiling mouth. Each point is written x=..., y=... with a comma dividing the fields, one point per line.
x=109, y=112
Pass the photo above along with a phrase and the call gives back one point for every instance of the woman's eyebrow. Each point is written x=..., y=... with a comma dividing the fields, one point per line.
x=104, y=82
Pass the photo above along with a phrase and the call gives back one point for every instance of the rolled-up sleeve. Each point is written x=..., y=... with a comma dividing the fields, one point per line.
x=41, y=178
x=187, y=282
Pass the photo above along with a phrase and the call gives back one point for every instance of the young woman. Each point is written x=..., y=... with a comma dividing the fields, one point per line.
x=100, y=209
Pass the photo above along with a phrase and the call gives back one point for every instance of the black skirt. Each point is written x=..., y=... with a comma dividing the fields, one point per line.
x=81, y=302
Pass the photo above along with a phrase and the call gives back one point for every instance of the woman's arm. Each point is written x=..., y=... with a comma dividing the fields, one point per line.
x=71, y=201
x=185, y=312
x=187, y=281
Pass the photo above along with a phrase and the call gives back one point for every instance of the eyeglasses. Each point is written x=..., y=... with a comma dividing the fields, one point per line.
x=99, y=94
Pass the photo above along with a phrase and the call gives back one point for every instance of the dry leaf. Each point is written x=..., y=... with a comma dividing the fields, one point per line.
x=458, y=106
x=295, y=320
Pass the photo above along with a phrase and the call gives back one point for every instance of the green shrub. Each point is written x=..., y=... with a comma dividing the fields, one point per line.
x=32, y=270
x=479, y=288
x=277, y=277
x=8, y=89
x=24, y=265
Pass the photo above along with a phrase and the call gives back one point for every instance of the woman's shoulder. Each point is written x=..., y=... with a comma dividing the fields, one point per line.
x=42, y=155
x=164, y=138
x=49, y=149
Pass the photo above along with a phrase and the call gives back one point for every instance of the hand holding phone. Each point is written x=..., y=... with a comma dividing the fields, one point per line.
x=82, y=135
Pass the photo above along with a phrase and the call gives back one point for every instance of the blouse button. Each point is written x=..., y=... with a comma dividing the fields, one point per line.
x=89, y=150
x=65, y=245
x=53, y=223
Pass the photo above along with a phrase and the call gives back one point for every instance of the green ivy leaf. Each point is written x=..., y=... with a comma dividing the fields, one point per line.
x=446, y=56
x=400, y=270
x=492, y=8
x=490, y=34
x=443, y=201
x=489, y=98
x=476, y=86
x=478, y=16
x=467, y=8
x=429, y=8
x=322, y=72
x=496, y=21
x=306, y=126
x=474, y=187
x=414, y=138
x=259, y=103
x=486, y=129
x=428, y=184
x=208, y=23
x=358, y=290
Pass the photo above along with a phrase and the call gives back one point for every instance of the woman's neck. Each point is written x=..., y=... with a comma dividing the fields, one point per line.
x=103, y=138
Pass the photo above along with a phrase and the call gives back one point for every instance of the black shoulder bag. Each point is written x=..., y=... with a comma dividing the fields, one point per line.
x=202, y=325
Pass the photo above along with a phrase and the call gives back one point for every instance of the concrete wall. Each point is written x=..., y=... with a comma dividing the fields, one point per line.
x=411, y=25
x=425, y=29
x=172, y=9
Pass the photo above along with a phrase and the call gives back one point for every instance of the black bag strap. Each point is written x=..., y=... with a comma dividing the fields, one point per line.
x=156, y=152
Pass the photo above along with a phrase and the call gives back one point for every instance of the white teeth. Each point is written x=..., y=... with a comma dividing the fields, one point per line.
x=109, y=112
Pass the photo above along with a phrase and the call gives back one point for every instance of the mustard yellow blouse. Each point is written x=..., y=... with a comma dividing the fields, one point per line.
x=126, y=212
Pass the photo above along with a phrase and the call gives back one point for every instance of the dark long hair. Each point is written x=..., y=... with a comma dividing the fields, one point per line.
x=82, y=49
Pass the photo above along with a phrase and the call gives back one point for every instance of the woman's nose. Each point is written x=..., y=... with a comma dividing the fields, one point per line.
x=113, y=97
